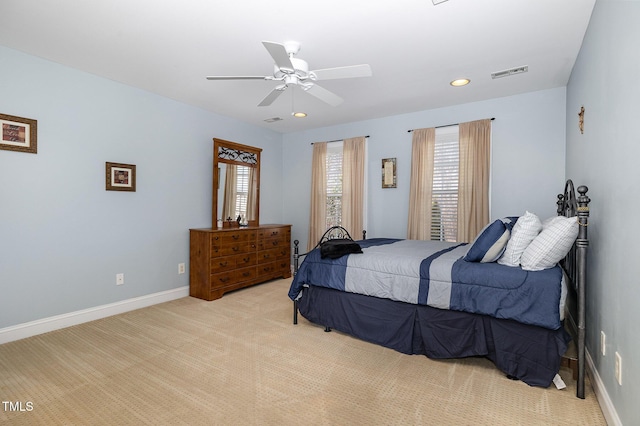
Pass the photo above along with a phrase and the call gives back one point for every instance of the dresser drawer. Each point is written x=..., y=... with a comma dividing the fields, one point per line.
x=245, y=259
x=235, y=276
x=271, y=243
x=227, y=263
x=237, y=236
x=283, y=253
x=237, y=248
x=245, y=274
x=266, y=256
x=275, y=232
x=222, y=279
x=222, y=264
x=278, y=268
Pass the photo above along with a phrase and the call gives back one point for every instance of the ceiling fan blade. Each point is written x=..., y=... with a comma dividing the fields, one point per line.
x=238, y=77
x=324, y=95
x=273, y=95
x=352, y=71
x=279, y=55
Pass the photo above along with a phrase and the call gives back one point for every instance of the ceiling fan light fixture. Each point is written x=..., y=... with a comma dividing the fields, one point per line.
x=293, y=72
x=460, y=82
x=299, y=114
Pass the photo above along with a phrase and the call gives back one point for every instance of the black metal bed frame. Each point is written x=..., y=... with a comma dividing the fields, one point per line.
x=574, y=265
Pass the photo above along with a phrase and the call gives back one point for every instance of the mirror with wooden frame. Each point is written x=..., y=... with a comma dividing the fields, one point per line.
x=236, y=183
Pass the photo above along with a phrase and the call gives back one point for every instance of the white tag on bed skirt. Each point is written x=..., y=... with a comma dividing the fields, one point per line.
x=559, y=382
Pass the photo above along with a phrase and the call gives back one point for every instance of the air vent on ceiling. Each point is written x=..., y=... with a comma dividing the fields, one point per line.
x=273, y=120
x=512, y=71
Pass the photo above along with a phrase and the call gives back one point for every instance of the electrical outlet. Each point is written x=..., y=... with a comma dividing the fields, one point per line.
x=181, y=268
x=119, y=279
x=618, y=371
x=603, y=343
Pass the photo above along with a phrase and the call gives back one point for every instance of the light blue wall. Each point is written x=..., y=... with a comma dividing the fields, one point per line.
x=528, y=159
x=63, y=238
x=605, y=81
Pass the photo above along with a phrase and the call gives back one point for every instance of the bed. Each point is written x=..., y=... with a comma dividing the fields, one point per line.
x=441, y=300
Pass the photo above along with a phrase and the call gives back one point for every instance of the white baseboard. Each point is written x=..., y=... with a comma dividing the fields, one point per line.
x=608, y=410
x=32, y=328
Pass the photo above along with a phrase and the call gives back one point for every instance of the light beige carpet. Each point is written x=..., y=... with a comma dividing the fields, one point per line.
x=240, y=361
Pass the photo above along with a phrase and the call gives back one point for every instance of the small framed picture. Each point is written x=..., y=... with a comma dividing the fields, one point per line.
x=121, y=177
x=389, y=173
x=18, y=134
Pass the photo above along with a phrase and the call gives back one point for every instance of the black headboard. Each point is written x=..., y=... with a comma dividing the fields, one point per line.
x=575, y=267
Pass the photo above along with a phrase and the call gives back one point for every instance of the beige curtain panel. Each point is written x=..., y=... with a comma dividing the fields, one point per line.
x=473, y=188
x=229, y=205
x=422, y=151
x=252, y=196
x=318, y=211
x=353, y=160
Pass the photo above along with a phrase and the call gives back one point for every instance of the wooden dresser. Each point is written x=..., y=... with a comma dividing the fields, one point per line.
x=223, y=260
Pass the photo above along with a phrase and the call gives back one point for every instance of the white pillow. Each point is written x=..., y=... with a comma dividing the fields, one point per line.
x=527, y=227
x=551, y=245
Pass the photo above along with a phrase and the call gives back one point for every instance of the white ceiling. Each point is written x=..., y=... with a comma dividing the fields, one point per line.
x=415, y=48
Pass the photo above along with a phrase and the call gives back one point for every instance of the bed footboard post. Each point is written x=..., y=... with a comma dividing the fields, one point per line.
x=364, y=234
x=581, y=269
x=296, y=256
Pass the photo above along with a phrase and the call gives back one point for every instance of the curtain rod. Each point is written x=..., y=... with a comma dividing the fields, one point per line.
x=338, y=140
x=446, y=125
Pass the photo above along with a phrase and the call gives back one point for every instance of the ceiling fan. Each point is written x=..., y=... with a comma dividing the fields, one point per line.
x=295, y=71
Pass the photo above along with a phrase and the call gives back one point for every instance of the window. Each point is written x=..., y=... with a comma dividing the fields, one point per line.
x=444, y=204
x=334, y=184
x=338, y=182
x=242, y=190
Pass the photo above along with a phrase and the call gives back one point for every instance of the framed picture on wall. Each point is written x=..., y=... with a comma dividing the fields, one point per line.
x=121, y=177
x=18, y=134
x=389, y=173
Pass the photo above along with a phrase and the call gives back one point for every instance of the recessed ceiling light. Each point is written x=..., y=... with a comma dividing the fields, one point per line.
x=460, y=82
x=299, y=114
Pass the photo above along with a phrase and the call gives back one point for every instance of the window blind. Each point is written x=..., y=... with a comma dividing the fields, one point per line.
x=334, y=184
x=444, y=206
x=242, y=189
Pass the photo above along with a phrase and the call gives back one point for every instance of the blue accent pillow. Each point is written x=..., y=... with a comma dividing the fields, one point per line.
x=491, y=242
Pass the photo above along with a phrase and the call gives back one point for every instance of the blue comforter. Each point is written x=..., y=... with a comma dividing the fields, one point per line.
x=434, y=273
